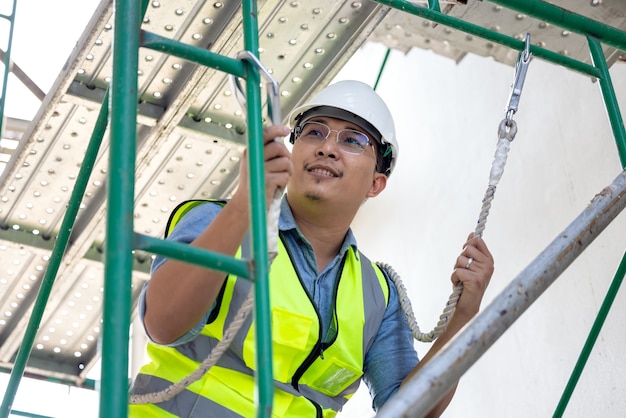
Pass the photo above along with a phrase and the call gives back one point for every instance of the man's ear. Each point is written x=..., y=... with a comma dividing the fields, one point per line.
x=379, y=182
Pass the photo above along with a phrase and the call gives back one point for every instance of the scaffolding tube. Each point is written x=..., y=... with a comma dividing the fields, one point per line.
x=192, y=53
x=118, y=260
x=264, y=379
x=194, y=255
x=121, y=238
x=420, y=393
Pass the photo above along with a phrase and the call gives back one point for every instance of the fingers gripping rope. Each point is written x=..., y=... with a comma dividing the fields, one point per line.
x=273, y=107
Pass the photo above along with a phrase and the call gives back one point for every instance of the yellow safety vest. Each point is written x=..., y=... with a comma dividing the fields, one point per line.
x=312, y=377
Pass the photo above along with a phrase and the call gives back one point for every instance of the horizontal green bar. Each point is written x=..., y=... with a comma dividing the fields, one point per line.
x=490, y=35
x=194, y=255
x=568, y=20
x=192, y=53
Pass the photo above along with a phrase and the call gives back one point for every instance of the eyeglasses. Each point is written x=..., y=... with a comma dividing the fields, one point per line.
x=348, y=140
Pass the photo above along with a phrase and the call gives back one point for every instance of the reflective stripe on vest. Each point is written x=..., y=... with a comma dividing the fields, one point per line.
x=304, y=374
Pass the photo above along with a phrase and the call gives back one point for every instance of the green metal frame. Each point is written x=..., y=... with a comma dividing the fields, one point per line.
x=7, y=61
x=122, y=240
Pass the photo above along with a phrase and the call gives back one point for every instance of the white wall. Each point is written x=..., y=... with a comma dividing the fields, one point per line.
x=447, y=116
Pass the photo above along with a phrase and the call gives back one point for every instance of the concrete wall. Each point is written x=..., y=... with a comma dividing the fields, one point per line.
x=447, y=116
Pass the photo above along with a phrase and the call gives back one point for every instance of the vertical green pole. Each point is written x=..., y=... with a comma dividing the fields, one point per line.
x=591, y=338
x=608, y=94
x=382, y=67
x=119, y=231
x=264, y=378
x=7, y=63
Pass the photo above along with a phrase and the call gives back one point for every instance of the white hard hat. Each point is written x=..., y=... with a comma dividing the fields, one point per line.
x=356, y=102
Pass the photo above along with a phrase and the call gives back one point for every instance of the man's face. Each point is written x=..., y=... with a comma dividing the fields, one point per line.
x=327, y=170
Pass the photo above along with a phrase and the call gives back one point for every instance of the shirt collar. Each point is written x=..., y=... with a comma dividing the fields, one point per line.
x=286, y=222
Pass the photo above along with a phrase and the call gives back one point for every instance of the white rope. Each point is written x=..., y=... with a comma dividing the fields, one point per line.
x=273, y=213
x=506, y=134
x=176, y=388
x=232, y=330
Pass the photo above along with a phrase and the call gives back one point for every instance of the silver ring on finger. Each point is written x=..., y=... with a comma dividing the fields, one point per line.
x=469, y=263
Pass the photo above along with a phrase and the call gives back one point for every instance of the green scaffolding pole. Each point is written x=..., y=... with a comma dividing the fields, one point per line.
x=121, y=239
x=610, y=100
x=264, y=379
x=118, y=258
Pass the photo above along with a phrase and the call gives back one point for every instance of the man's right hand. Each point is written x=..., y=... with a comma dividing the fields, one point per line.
x=277, y=164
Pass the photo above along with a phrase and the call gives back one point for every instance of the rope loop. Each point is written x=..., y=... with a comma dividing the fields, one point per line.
x=507, y=129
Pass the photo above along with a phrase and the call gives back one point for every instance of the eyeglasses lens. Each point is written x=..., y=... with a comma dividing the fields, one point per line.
x=349, y=140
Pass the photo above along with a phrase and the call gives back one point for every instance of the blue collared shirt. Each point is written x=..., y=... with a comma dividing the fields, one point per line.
x=394, y=339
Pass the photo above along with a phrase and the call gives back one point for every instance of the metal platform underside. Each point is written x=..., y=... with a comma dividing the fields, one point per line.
x=191, y=134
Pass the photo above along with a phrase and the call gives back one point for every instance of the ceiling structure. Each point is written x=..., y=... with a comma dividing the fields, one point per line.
x=191, y=133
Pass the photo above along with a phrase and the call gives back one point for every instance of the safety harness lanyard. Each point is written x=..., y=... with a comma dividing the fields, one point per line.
x=507, y=130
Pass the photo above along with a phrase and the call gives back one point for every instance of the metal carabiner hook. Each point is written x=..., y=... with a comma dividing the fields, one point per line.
x=521, y=67
x=273, y=89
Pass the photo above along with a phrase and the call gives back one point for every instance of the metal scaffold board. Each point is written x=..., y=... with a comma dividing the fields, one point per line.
x=404, y=31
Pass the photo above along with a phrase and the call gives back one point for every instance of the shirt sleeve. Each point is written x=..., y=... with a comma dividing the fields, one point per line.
x=394, y=340
x=186, y=230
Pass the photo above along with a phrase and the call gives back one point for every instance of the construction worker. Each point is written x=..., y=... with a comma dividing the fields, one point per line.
x=335, y=315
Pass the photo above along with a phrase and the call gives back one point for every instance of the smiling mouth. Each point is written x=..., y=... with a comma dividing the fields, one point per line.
x=323, y=172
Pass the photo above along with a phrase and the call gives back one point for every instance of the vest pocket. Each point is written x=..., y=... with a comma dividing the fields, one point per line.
x=332, y=376
x=291, y=334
